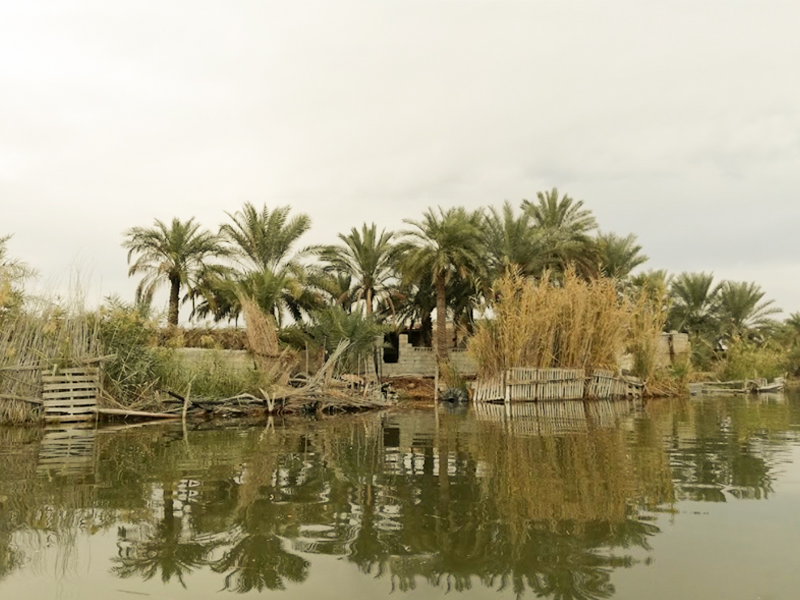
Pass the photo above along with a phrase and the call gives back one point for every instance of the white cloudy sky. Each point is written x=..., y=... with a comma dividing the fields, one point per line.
x=678, y=121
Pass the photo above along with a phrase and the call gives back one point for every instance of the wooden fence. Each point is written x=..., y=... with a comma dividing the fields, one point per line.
x=524, y=384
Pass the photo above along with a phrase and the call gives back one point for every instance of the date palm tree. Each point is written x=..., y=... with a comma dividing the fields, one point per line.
x=566, y=229
x=261, y=242
x=264, y=239
x=694, y=298
x=619, y=255
x=512, y=242
x=447, y=244
x=741, y=309
x=172, y=254
x=367, y=257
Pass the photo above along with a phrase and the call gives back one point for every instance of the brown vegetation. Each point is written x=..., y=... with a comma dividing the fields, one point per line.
x=572, y=323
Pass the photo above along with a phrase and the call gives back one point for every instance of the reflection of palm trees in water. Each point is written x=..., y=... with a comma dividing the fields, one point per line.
x=448, y=520
x=259, y=561
x=164, y=551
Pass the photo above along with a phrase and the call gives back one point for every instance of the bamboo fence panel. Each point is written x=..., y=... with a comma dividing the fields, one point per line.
x=527, y=384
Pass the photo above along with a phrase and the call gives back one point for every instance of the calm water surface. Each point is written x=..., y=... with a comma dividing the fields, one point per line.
x=678, y=500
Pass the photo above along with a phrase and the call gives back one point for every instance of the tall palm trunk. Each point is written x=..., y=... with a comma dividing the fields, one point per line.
x=441, y=320
x=369, y=301
x=174, y=294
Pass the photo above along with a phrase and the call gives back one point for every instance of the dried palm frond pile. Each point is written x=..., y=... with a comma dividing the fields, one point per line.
x=262, y=339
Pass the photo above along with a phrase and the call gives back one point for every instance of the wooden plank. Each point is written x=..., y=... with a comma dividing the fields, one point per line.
x=20, y=398
x=58, y=379
x=72, y=394
x=83, y=392
x=48, y=405
x=74, y=370
x=68, y=385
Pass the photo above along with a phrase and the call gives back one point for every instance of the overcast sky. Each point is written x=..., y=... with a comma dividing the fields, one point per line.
x=677, y=121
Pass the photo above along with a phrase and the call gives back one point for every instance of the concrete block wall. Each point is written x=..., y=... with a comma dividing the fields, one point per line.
x=681, y=348
x=234, y=359
x=413, y=360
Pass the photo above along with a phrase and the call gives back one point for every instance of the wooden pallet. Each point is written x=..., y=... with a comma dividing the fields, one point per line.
x=71, y=394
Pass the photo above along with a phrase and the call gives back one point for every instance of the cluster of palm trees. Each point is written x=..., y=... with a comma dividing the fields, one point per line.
x=716, y=312
x=442, y=264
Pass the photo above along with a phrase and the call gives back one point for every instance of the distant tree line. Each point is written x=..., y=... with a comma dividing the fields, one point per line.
x=443, y=263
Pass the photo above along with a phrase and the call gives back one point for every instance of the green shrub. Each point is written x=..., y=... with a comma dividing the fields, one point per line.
x=746, y=360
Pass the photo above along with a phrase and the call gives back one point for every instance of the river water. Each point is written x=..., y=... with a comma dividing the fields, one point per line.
x=680, y=499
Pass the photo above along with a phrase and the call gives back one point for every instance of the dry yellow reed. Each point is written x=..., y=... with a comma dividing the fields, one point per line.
x=544, y=324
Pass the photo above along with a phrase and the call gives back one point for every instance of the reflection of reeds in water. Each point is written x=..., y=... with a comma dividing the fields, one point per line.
x=260, y=469
x=44, y=507
x=568, y=475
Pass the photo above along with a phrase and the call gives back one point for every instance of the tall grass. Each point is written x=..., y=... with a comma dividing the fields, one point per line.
x=572, y=324
x=45, y=335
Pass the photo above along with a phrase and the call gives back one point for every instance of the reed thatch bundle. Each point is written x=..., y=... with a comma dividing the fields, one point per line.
x=262, y=339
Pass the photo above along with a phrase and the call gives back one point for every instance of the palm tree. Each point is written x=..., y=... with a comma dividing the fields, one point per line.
x=619, y=255
x=741, y=309
x=335, y=287
x=550, y=212
x=694, y=297
x=367, y=257
x=261, y=242
x=566, y=227
x=448, y=245
x=264, y=238
x=512, y=242
x=173, y=255
x=412, y=302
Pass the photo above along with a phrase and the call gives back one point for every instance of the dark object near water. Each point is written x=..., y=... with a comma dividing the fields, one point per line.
x=455, y=395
